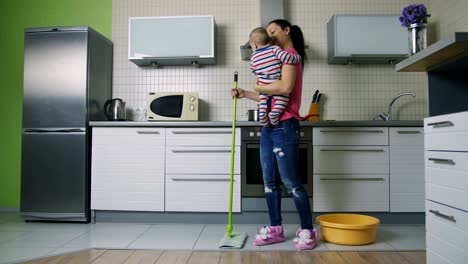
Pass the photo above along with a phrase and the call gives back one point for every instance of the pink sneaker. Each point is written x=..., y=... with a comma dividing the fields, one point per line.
x=306, y=240
x=269, y=235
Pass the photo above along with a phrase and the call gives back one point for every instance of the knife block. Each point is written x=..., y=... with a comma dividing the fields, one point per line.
x=313, y=114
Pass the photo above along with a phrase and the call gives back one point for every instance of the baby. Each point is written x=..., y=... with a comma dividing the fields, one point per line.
x=266, y=62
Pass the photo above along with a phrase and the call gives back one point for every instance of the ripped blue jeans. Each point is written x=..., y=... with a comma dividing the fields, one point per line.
x=279, y=155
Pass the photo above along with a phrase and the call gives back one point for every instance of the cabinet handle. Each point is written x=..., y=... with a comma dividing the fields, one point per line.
x=355, y=150
x=200, y=132
x=57, y=130
x=201, y=151
x=446, y=161
x=202, y=179
x=408, y=132
x=394, y=56
x=441, y=124
x=253, y=146
x=148, y=132
x=439, y=214
x=351, y=131
x=352, y=179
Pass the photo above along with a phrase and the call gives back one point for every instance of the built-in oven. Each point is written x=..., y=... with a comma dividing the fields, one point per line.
x=251, y=169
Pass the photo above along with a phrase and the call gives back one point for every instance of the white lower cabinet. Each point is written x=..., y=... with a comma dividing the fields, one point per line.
x=446, y=167
x=163, y=169
x=406, y=169
x=198, y=164
x=355, y=169
x=350, y=173
x=127, y=169
x=368, y=169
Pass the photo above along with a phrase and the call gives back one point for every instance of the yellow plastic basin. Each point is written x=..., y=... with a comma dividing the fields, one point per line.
x=348, y=229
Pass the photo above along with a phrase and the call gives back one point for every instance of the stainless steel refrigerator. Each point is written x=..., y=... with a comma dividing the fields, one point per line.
x=67, y=79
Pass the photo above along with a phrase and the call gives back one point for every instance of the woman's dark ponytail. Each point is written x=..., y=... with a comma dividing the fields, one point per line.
x=298, y=41
x=296, y=35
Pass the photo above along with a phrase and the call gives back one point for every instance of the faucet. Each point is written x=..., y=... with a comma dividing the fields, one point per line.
x=388, y=116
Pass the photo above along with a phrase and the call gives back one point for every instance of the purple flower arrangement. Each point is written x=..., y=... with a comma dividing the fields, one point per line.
x=412, y=14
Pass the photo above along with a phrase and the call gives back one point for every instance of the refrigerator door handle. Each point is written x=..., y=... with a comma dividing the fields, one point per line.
x=67, y=130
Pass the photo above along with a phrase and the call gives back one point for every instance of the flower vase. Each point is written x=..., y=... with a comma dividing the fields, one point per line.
x=417, y=37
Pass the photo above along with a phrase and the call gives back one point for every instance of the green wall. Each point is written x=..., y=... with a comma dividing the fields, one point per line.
x=15, y=16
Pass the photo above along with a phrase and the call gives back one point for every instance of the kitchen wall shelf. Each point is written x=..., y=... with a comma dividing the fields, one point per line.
x=446, y=64
x=444, y=53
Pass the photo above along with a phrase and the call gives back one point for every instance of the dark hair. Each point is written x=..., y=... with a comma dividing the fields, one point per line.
x=297, y=37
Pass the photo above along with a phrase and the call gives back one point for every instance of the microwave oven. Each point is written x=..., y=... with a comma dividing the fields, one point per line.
x=172, y=106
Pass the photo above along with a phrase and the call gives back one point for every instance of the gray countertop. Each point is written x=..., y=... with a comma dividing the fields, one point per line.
x=357, y=123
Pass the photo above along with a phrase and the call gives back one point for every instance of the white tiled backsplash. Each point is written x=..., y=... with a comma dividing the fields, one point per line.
x=353, y=92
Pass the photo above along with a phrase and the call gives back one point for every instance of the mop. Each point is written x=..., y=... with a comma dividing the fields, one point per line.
x=231, y=239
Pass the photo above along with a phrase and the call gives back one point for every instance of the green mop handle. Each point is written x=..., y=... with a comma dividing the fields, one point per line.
x=233, y=143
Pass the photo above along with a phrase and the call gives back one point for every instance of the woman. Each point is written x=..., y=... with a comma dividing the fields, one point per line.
x=279, y=144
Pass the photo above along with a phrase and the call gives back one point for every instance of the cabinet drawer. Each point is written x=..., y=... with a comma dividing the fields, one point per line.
x=447, y=186
x=432, y=258
x=446, y=132
x=341, y=136
x=447, y=233
x=201, y=193
x=350, y=193
x=201, y=160
x=440, y=251
x=351, y=159
x=447, y=160
x=446, y=123
x=132, y=136
x=449, y=141
x=201, y=136
x=406, y=136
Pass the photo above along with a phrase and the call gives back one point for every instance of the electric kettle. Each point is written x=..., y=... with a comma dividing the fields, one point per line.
x=114, y=109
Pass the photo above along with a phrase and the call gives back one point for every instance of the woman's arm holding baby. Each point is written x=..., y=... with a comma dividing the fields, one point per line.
x=284, y=86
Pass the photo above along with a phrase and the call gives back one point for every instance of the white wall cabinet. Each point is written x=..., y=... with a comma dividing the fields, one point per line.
x=172, y=40
x=446, y=170
x=406, y=169
x=127, y=168
x=198, y=170
x=366, y=39
x=351, y=169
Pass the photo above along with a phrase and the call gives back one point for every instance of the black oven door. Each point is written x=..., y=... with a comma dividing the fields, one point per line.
x=251, y=169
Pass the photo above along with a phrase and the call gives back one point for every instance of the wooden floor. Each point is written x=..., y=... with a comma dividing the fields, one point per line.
x=226, y=257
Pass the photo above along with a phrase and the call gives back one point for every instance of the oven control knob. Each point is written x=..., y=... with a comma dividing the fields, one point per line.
x=251, y=134
x=259, y=134
x=301, y=133
x=192, y=98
